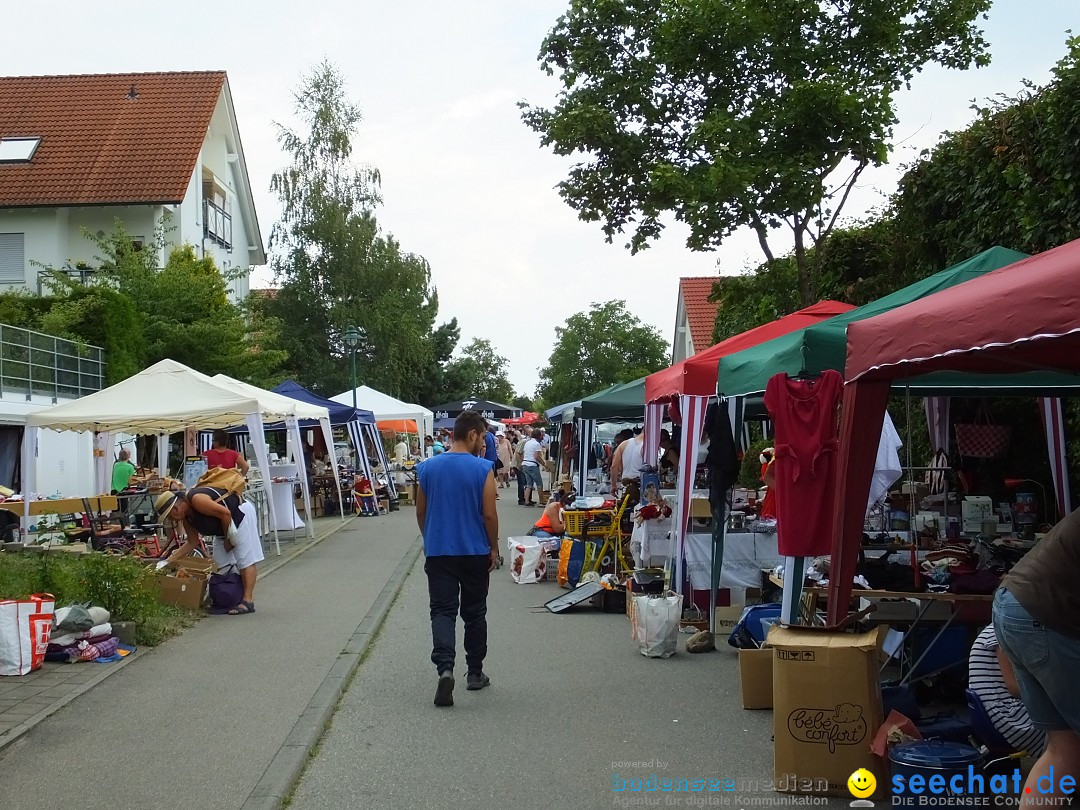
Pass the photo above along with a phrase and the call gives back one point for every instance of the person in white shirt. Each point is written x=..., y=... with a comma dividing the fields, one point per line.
x=401, y=452
x=531, y=459
x=627, y=461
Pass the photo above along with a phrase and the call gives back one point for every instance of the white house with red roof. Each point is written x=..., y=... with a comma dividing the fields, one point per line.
x=695, y=317
x=80, y=152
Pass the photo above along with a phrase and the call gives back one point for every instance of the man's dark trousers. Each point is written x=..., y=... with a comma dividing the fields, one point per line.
x=458, y=583
x=521, y=484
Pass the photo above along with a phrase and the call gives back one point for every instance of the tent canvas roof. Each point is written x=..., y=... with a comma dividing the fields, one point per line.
x=623, y=401
x=697, y=375
x=164, y=398
x=274, y=406
x=339, y=414
x=383, y=406
x=824, y=346
x=1022, y=317
x=483, y=406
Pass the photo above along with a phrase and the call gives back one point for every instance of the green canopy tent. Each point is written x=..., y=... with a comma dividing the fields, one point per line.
x=614, y=403
x=623, y=401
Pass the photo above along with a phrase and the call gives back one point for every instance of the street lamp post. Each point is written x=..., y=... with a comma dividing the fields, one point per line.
x=352, y=339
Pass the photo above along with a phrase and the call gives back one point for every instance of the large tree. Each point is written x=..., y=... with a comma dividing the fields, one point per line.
x=334, y=265
x=597, y=348
x=479, y=372
x=731, y=114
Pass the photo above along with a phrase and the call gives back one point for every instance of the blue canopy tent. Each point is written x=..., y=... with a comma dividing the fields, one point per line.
x=359, y=423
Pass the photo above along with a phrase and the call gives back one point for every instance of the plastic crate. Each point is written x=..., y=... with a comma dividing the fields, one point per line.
x=576, y=520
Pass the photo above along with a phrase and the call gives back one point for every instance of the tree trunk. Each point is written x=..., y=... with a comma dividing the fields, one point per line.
x=807, y=294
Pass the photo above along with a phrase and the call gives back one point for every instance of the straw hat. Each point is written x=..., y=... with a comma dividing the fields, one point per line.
x=164, y=503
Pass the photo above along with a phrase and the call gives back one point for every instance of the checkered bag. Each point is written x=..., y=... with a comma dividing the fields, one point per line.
x=982, y=438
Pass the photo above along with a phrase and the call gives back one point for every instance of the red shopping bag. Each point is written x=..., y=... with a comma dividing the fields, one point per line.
x=25, y=625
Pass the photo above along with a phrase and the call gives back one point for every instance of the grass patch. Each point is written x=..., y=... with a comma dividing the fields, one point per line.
x=123, y=586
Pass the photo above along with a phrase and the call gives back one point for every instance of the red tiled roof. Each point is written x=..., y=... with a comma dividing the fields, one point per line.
x=700, y=312
x=98, y=145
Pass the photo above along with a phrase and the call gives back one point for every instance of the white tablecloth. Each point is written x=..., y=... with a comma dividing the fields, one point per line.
x=284, y=506
x=745, y=554
x=650, y=544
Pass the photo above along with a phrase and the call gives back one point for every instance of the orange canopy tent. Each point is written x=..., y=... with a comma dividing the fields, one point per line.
x=397, y=426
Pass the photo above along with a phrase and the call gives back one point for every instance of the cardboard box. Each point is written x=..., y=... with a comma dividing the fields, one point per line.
x=726, y=619
x=756, y=675
x=700, y=508
x=826, y=708
x=186, y=591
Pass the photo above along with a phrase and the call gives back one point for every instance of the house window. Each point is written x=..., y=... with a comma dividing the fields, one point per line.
x=12, y=258
x=18, y=150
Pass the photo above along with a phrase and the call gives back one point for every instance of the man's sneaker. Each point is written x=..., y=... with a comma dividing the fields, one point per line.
x=476, y=680
x=444, y=692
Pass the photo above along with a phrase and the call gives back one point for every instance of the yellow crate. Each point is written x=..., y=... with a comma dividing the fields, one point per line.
x=575, y=521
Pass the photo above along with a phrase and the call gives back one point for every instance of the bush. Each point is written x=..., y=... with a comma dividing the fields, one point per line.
x=122, y=585
x=750, y=469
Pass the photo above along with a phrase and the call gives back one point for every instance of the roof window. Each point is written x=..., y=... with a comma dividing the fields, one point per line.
x=18, y=150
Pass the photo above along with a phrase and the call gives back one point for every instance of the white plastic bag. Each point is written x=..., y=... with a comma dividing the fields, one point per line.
x=656, y=624
x=528, y=560
x=25, y=625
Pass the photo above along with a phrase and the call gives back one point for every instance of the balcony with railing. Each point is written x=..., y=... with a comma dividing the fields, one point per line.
x=33, y=363
x=217, y=224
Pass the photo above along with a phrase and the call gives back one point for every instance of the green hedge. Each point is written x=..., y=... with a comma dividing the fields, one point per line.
x=122, y=585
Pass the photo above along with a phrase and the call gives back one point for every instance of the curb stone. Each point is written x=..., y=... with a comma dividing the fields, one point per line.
x=287, y=766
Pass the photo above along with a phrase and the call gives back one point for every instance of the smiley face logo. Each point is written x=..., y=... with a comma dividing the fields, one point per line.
x=862, y=783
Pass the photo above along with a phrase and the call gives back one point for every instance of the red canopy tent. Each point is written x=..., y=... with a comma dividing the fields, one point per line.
x=1021, y=318
x=527, y=418
x=696, y=376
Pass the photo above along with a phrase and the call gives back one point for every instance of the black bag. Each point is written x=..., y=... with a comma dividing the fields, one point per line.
x=498, y=464
x=226, y=590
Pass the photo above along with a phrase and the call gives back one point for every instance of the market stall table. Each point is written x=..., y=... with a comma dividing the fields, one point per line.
x=282, y=493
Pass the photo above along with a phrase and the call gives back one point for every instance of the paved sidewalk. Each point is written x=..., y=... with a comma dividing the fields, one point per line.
x=197, y=721
x=572, y=708
x=26, y=701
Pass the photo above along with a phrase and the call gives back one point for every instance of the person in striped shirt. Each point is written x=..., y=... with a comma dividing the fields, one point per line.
x=990, y=676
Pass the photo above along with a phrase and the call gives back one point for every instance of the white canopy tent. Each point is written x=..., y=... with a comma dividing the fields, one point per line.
x=166, y=398
x=385, y=406
x=291, y=410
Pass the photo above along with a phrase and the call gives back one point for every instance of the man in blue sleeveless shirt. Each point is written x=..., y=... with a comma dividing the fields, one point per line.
x=455, y=509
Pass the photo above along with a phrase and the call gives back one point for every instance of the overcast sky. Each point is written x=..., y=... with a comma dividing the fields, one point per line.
x=465, y=183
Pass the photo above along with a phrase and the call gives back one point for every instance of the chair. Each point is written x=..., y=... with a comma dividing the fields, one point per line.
x=616, y=543
x=992, y=740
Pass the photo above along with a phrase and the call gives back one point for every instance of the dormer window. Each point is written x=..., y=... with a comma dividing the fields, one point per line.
x=18, y=150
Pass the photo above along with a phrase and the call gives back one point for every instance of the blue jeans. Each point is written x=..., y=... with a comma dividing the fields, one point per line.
x=1047, y=664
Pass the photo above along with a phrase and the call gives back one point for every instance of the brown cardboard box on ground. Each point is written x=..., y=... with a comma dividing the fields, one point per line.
x=183, y=591
x=756, y=675
x=726, y=619
x=826, y=708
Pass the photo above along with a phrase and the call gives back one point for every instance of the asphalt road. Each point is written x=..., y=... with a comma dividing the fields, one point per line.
x=573, y=708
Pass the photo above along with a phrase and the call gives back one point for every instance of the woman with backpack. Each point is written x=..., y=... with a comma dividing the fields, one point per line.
x=230, y=520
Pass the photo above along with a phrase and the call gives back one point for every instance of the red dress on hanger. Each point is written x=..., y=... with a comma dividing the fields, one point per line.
x=804, y=415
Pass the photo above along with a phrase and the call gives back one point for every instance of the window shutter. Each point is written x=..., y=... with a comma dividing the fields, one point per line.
x=12, y=258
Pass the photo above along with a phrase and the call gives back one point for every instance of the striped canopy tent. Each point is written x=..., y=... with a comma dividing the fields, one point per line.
x=1023, y=320
x=686, y=388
